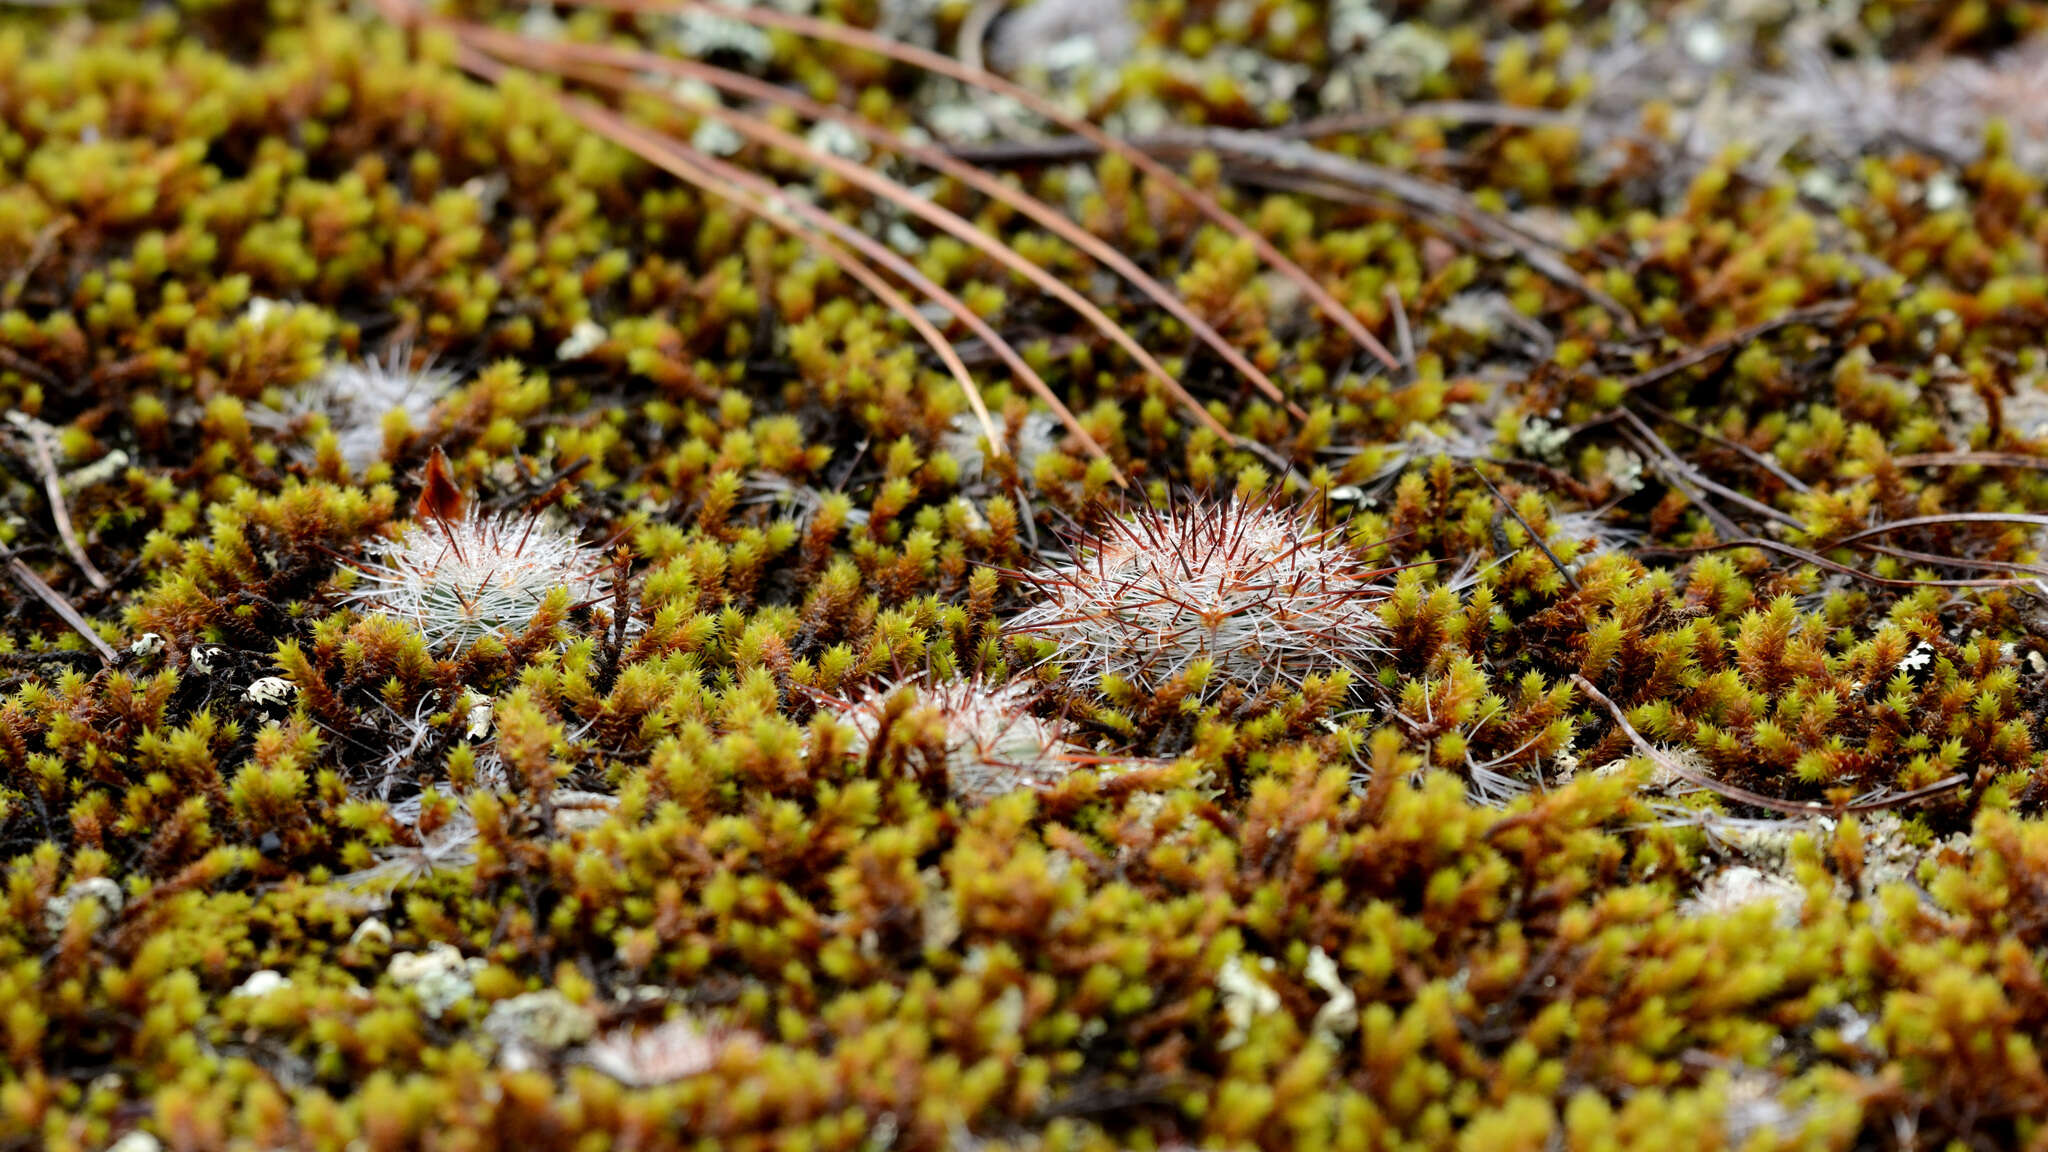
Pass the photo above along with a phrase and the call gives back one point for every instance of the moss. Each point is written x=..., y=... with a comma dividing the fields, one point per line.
x=1703, y=465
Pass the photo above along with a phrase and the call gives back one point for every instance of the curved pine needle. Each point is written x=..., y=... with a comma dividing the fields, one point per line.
x=860, y=38
x=1045, y=215
x=38, y=435
x=953, y=305
x=1943, y=520
x=679, y=165
x=669, y=154
x=760, y=131
x=1971, y=460
x=1811, y=314
x=1962, y=562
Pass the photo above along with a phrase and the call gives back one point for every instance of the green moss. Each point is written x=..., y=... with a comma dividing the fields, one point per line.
x=1447, y=900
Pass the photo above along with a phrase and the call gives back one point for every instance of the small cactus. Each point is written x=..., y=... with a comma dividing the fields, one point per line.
x=1253, y=587
x=358, y=398
x=459, y=580
x=992, y=742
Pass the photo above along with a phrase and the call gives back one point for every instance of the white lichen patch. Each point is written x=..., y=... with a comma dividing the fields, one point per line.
x=1742, y=886
x=546, y=1020
x=262, y=983
x=1246, y=997
x=1338, y=1017
x=105, y=897
x=586, y=337
x=1059, y=36
x=1757, y=1108
x=439, y=978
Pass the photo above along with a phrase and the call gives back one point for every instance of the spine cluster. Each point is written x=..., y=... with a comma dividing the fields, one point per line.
x=459, y=580
x=1254, y=588
x=991, y=741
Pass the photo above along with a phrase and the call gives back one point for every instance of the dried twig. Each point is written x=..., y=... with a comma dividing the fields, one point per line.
x=1813, y=314
x=1672, y=465
x=1403, y=338
x=1945, y=520
x=1479, y=112
x=53, y=488
x=13, y=361
x=1952, y=561
x=1324, y=172
x=45, y=243
x=1901, y=799
x=1818, y=561
x=1682, y=480
x=1745, y=451
x=1688, y=774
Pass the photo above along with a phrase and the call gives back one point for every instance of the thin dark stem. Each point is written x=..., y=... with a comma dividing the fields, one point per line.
x=1744, y=795
x=1535, y=537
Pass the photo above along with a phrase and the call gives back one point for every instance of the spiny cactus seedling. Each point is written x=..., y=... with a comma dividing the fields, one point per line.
x=460, y=579
x=358, y=399
x=992, y=742
x=1254, y=588
x=673, y=1050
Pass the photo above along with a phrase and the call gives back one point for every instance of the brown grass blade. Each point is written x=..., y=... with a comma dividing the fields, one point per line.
x=946, y=66
x=1045, y=215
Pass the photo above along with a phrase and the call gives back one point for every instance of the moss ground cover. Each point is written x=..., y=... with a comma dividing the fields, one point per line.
x=514, y=636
